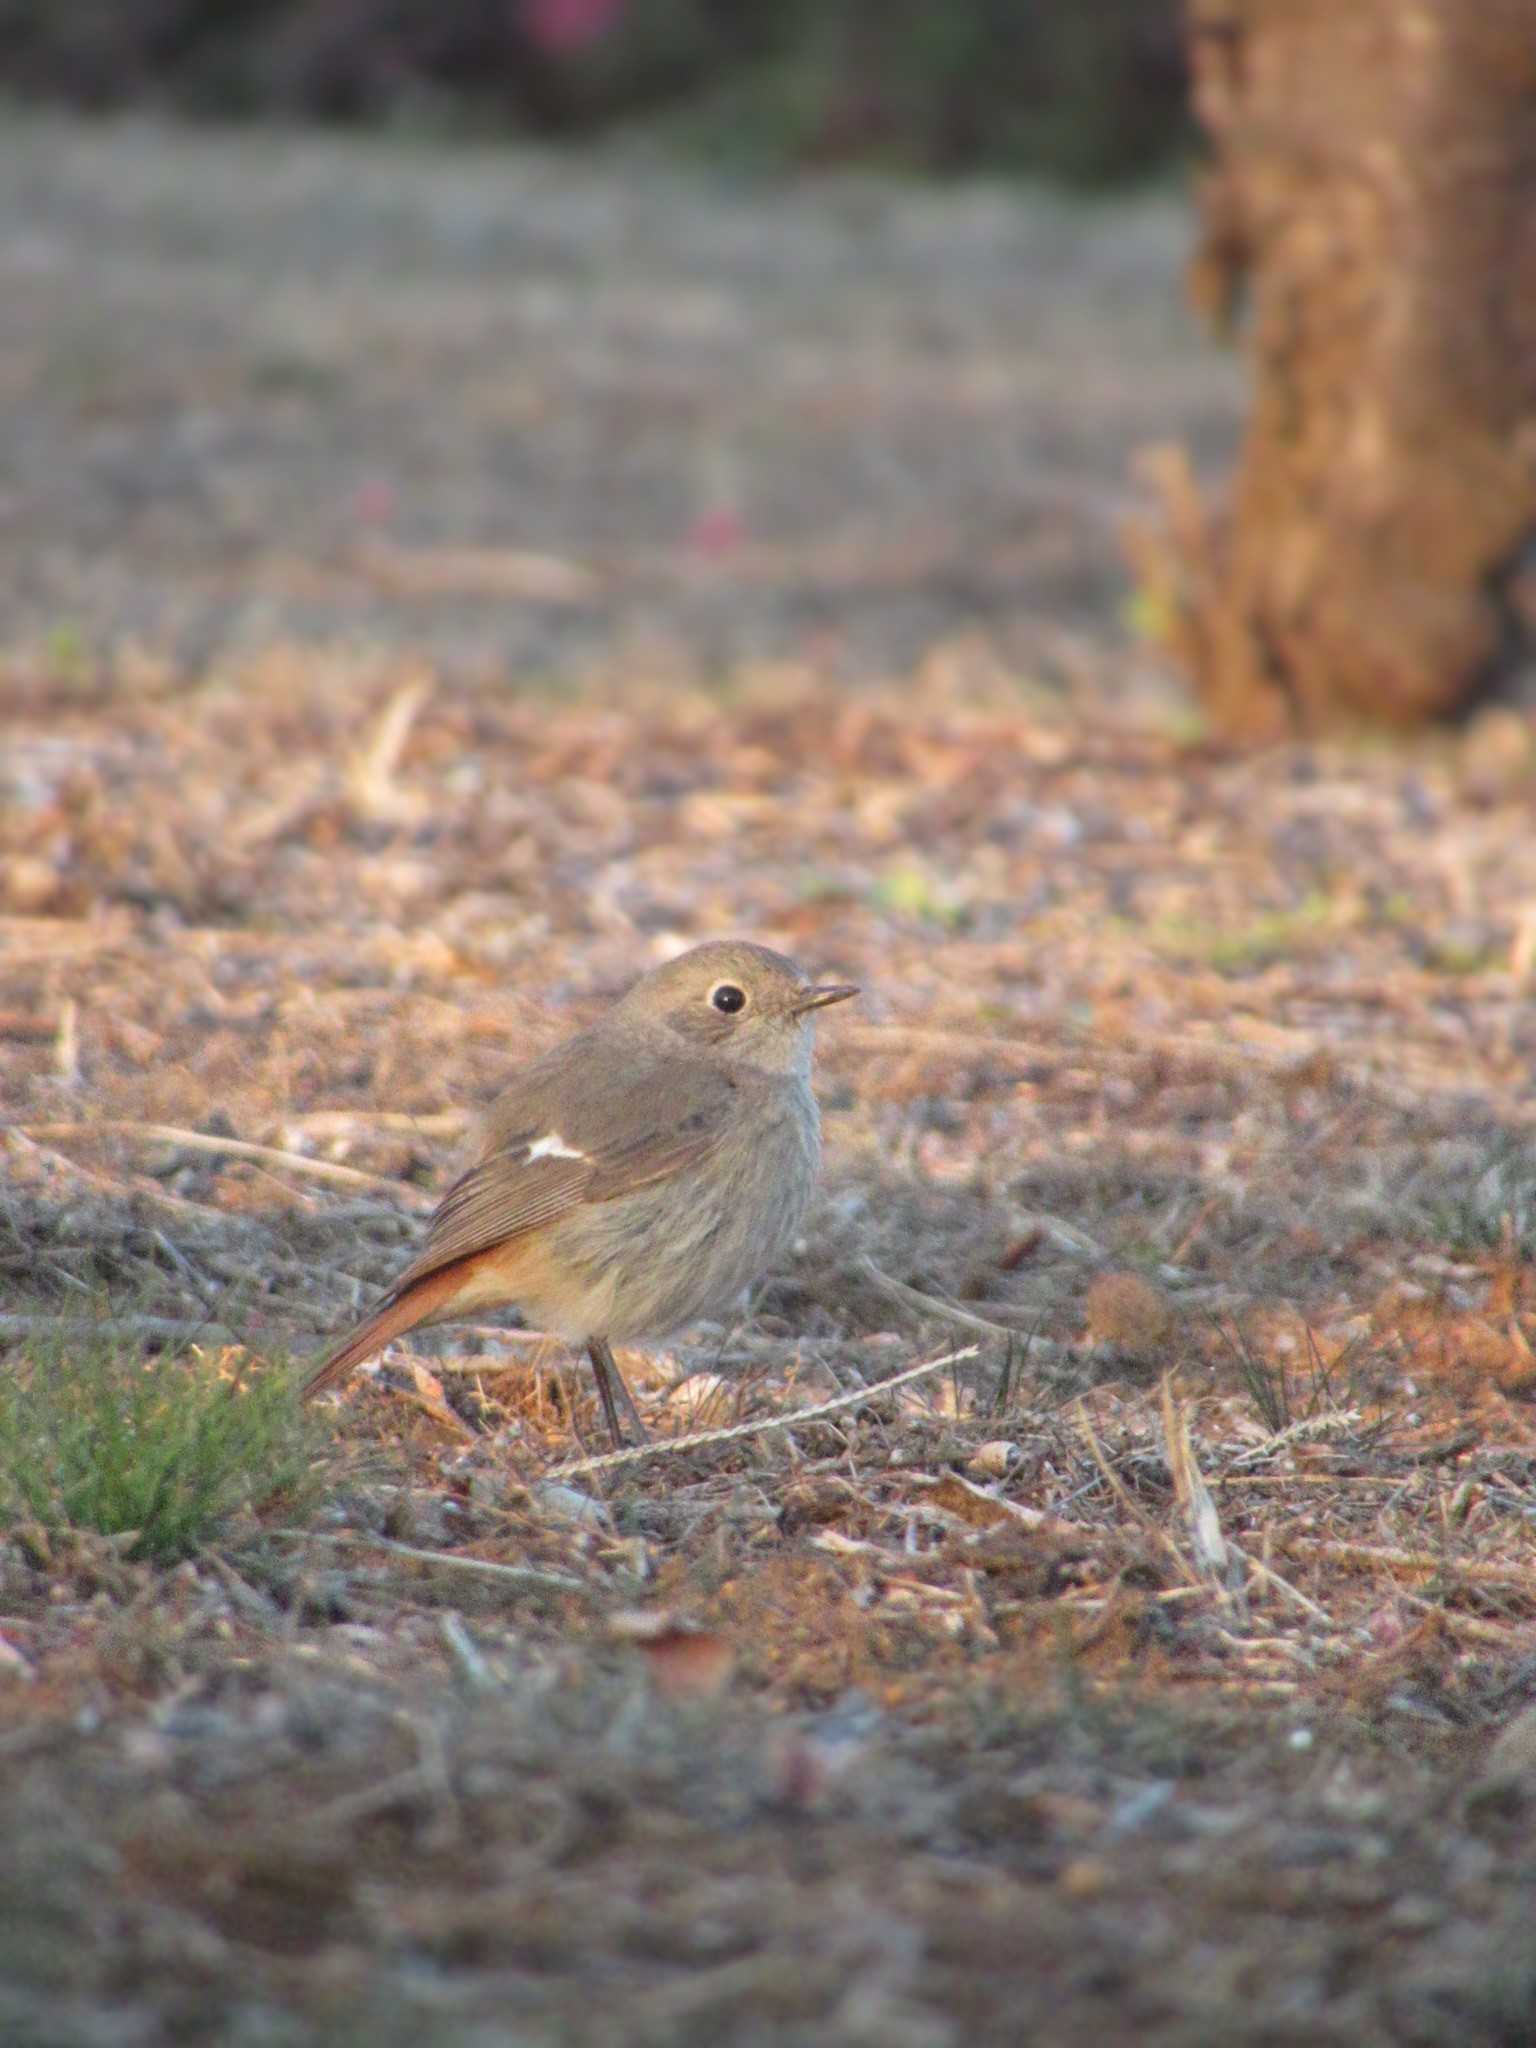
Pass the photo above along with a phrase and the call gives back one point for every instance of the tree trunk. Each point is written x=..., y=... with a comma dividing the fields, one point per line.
x=1374, y=192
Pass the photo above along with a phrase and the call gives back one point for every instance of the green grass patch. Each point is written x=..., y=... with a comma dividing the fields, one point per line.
x=1271, y=936
x=96, y=1434
x=910, y=891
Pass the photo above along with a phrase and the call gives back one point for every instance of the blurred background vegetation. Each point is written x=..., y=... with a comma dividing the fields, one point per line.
x=1090, y=92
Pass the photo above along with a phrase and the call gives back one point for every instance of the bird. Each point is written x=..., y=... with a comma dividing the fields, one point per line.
x=636, y=1177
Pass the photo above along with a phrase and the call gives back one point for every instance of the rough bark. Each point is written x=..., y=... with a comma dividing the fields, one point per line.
x=1372, y=197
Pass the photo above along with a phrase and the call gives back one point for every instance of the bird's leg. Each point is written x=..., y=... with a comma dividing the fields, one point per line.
x=611, y=1390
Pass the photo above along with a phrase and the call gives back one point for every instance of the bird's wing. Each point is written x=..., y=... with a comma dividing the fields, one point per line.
x=615, y=1133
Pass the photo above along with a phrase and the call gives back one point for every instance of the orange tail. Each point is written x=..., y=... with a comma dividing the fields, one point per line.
x=421, y=1302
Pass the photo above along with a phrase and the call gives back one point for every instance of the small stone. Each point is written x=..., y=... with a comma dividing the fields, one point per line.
x=1085, y=1877
x=994, y=1460
x=703, y=1400
x=570, y=1504
x=30, y=884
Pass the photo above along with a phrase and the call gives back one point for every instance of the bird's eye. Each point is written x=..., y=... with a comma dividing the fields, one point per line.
x=728, y=997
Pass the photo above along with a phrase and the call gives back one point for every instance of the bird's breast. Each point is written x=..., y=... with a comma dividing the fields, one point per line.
x=687, y=1246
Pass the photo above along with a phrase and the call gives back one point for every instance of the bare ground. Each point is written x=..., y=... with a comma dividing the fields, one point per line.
x=438, y=587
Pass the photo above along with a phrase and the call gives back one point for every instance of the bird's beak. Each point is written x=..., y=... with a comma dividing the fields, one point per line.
x=818, y=998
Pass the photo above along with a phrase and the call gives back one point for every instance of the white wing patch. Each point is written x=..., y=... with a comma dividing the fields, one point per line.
x=552, y=1146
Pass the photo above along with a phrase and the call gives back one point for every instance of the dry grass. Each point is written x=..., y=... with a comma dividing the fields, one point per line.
x=1134, y=1671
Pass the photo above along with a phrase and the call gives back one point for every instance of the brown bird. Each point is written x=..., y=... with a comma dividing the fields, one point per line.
x=635, y=1178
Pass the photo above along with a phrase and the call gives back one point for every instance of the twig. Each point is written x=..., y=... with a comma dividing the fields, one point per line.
x=419, y=1782
x=66, y=1043
x=1306, y=1429
x=502, y=572
x=1270, y=1577
x=695, y=1439
x=522, y=1575
x=233, y=1148
x=1133, y=1508
x=1471, y=1569
x=1213, y=1554
x=1066, y=1237
x=1469, y=1625
x=17, y=1141
x=472, y=1667
x=244, y=1595
x=433, y=1123
x=369, y=775
x=1041, y=1348
x=1289, y=1479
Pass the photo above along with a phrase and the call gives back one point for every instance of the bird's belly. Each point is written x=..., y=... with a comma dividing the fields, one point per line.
x=662, y=1257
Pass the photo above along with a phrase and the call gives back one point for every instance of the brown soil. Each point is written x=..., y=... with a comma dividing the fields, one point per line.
x=1139, y=1673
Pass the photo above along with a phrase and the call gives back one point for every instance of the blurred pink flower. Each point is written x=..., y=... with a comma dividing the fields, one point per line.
x=375, y=502
x=717, y=531
x=558, y=26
